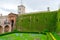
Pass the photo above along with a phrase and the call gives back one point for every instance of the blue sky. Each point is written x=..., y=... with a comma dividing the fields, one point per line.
x=7, y=6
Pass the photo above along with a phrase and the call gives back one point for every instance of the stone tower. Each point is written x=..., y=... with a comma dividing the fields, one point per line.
x=21, y=9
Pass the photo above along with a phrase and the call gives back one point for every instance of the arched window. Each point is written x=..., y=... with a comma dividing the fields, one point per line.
x=6, y=29
x=1, y=29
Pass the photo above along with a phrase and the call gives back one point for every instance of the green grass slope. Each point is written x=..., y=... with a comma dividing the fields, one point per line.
x=56, y=36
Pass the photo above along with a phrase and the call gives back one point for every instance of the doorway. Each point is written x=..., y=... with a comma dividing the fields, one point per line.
x=12, y=24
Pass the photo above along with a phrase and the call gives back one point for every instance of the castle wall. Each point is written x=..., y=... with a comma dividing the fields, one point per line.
x=37, y=22
x=4, y=21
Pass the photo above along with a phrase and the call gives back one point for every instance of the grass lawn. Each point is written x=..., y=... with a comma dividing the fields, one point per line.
x=56, y=36
x=23, y=36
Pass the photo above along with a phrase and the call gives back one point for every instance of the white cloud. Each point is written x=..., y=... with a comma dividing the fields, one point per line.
x=7, y=6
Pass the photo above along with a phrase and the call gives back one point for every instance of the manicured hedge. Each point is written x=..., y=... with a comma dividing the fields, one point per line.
x=37, y=22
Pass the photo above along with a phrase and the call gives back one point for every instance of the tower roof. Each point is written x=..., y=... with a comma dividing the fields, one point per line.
x=21, y=6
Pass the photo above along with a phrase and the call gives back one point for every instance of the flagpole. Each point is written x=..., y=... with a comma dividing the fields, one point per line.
x=21, y=2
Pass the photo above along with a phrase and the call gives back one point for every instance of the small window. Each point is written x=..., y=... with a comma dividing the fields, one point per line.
x=6, y=22
x=46, y=19
x=20, y=9
x=29, y=20
x=21, y=20
x=37, y=20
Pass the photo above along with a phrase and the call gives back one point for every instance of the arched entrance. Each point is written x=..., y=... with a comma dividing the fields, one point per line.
x=6, y=29
x=12, y=24
x=1, y=29
x=12, y=18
